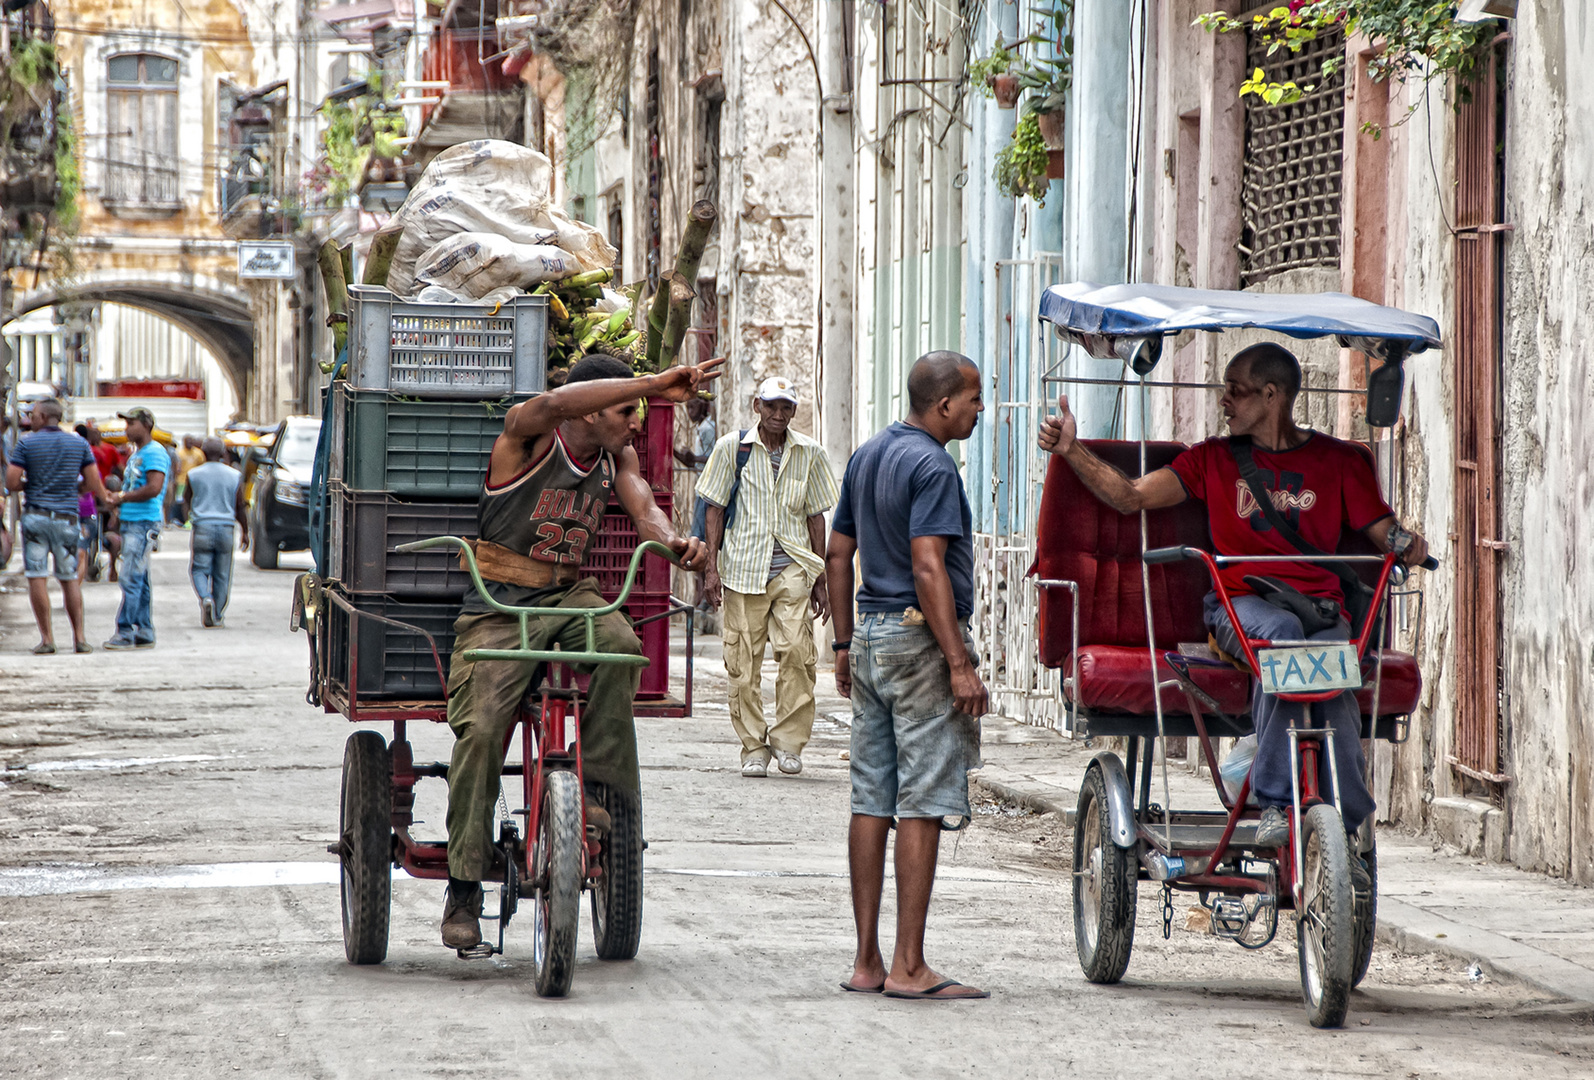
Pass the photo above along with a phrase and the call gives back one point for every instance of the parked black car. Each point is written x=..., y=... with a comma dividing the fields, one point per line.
x=279, y=510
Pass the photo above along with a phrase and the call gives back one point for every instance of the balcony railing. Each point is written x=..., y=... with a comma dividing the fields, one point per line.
x=141, y=178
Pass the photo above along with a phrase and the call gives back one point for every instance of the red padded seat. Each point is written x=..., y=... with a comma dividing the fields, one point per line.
x=1082, y=539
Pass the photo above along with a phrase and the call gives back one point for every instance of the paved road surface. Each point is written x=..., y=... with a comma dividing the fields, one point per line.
x=167, y=910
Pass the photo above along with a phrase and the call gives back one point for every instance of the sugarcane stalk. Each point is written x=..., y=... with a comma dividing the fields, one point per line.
x=681, y=297
x=346, y=257
x=380, y=260
x=336, y=285
x=690, y=256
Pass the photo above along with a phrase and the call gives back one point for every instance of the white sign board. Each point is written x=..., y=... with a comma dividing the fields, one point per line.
x=266, y=259
x=1308, y=669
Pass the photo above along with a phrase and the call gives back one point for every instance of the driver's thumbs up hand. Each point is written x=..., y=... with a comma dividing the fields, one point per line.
x=1057, y=433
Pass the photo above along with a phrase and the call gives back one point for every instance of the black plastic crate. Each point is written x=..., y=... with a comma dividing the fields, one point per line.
x=390, y=661
x=364, y=528
x=430, y=449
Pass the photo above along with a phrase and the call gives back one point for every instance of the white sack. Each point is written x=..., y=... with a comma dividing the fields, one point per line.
x=474, y=264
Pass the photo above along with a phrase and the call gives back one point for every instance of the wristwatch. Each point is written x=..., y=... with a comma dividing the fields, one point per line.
x=840, y=646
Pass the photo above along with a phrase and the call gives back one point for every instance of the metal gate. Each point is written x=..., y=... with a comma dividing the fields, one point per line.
x=1006, y=601
x=1477, y=752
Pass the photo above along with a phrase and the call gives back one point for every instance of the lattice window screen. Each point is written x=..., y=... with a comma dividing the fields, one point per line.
x=1293, y=155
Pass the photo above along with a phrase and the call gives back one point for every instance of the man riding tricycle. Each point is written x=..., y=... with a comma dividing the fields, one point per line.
x=1259, y=577
x=536, y=646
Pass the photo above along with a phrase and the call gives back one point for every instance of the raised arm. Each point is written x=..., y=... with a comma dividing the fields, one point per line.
x=547, y=411
x=1157, y=489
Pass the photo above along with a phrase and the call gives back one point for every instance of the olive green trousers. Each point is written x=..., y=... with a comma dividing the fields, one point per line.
x=484, y=700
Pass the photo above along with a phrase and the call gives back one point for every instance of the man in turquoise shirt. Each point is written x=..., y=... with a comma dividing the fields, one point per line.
x=141, y=509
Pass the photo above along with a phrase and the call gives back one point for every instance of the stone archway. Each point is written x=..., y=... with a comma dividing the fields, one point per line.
x=213, y=310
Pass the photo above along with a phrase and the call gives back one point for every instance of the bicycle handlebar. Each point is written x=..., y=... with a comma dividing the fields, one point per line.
x=1157, y=556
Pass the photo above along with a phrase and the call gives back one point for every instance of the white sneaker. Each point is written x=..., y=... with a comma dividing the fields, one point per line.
x=755, y=768
x=790, y=764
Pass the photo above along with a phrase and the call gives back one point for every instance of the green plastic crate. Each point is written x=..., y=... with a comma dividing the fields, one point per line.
x=432, y=449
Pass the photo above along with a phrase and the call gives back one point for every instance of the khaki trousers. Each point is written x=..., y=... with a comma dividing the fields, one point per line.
x=484, y=702
x=779, y=616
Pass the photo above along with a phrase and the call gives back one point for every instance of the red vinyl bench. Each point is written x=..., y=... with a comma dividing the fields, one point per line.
x=1106, y=672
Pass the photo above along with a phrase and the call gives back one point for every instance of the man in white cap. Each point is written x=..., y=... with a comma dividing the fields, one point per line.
x=767, y=490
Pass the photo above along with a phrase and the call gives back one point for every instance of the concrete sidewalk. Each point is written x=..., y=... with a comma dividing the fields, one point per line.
x=1536, y=929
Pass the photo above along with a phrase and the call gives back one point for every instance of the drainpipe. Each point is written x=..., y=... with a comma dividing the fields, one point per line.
x=1096, y=202
x=837, y=232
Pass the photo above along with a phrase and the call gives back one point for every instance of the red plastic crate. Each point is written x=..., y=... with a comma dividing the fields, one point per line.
x=655, y=450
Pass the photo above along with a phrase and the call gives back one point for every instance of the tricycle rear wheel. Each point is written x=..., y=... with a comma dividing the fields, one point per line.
x=1105, y=882
x=365, y=845
x=560, y=869
x=1324, y=925
x=617, y=894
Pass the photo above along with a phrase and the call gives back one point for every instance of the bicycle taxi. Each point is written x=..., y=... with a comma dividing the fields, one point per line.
x=554, y=860
x=1120, y=614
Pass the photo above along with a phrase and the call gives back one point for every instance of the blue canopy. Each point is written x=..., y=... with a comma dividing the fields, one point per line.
x=1083, y=309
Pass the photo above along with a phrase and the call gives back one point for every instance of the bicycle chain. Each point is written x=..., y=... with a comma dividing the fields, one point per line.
x=1167, y=912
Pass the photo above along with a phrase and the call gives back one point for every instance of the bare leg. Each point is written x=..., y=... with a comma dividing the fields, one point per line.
x=866, y=855
x=39, y=597
x=918, y=847
x=72, y=592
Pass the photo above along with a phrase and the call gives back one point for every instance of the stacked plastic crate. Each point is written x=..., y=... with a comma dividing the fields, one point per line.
x=411, y=431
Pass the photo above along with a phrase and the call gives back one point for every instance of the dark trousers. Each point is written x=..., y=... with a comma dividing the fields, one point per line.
x=1273, y=717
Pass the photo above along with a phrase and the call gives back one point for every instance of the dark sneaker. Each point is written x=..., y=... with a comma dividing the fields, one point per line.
x=207, y=613
x=119, y=642
x=144, y=643
x=598, y=819
x=1360, y=880
x=1274, y=829
x=462, y=928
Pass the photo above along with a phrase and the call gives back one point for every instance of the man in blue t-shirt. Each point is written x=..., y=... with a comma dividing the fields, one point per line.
x=908, y=665
x=140, y=505
x=55, y=463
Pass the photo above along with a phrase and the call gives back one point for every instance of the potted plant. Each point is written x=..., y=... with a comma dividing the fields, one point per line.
x=1022, y=166
x=996, y=76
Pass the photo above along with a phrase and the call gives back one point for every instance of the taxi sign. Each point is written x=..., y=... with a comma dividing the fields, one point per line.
x=1306, y=669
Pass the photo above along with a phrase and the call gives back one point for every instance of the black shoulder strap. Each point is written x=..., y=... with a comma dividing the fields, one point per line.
x=1240, y=448
x=743, y=450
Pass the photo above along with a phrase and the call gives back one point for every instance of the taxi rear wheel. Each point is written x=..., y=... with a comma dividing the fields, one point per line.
x=1105, y=882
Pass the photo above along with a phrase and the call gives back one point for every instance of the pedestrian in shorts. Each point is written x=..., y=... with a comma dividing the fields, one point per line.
x=48, y=466
x=908, y=664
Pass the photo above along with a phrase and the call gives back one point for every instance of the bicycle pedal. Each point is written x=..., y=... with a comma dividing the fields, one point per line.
x=484, y=951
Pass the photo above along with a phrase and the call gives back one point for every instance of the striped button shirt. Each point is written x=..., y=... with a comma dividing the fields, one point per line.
x=768, y=507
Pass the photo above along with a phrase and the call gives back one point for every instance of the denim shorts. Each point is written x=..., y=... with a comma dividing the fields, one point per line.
x=46, y=538
x=911, y=750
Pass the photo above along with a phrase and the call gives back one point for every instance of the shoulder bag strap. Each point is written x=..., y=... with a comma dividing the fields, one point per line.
x=1240, y=448
x=744, y=449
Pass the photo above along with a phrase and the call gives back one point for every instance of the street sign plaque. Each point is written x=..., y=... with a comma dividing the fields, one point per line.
x=266, y=259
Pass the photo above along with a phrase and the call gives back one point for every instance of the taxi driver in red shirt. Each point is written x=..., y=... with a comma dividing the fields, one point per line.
x=1318, y=484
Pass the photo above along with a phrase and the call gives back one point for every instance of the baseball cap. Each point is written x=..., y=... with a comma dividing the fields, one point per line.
x=141, y=414
x=777, y=389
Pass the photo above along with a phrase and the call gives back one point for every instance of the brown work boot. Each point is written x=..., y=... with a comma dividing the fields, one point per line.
x=462, y=928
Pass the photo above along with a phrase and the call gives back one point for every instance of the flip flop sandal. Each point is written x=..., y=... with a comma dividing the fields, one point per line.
x=851, y=989
x=44, y=648
x=934, y=993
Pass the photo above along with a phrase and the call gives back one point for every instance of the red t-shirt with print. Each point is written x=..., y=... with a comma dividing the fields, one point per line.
x=1318, y=487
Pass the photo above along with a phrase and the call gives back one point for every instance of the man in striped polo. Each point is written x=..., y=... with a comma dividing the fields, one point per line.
x=772, y=486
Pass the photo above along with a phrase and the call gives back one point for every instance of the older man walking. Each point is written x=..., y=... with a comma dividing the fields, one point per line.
x=215, y=502
x=908, y=664
x=767, y=490
x=139, y=503
x=54, y=463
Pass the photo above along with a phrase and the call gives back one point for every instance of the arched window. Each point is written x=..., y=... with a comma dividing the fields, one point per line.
x=141, y=126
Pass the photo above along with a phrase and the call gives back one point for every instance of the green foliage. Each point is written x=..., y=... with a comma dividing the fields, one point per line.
x=355, y=130
x=1001, y=61
x=32, y=63
x=1021, y=164
x=68, y=180
x=1421, y=40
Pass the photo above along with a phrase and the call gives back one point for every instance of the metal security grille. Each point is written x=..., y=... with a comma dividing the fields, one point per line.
x=1293, y=154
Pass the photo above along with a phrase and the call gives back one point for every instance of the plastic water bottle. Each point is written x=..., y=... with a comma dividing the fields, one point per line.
x=1164, y=867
